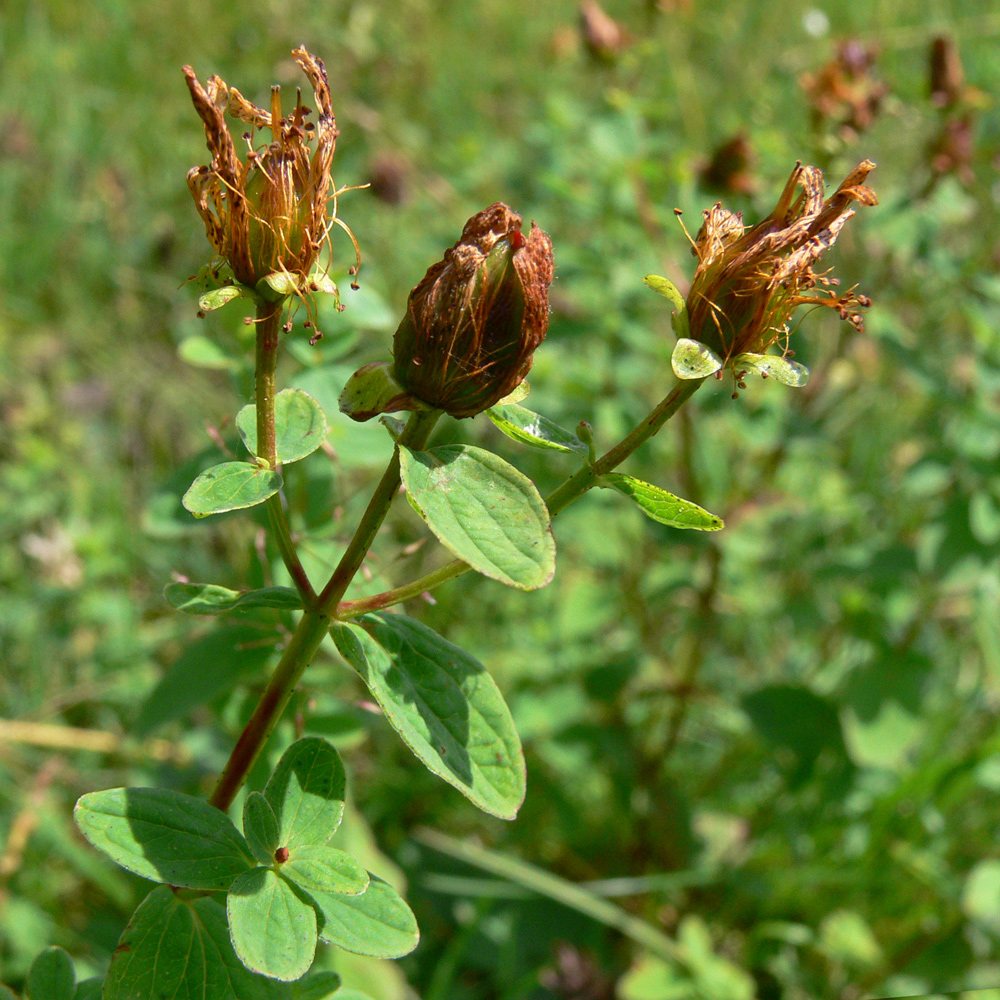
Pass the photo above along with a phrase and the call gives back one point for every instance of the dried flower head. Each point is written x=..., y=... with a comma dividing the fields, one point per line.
x=749, y=282
x=475, y=320
x=845, y=92
x=266, y=213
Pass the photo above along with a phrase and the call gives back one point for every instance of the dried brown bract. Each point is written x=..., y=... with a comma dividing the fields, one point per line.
x=473, y=323
x=750, y=281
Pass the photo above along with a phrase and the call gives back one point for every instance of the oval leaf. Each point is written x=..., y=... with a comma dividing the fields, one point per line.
x=306, y=792
x=663, y=506
x=182, y=949
x=692, y=360
x=51, y=976
x=444, y=705
x=260, y=827
x=531, y=428
x=300, y=425
x=164, y=835
x=230, y=486
x=218, y=297
x=376, y=923
x=211, y=599
x=770, y=365
x=484, y=511
x=273, y=929
x=325, y=869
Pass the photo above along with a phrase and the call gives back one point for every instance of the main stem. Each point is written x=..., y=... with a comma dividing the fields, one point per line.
x=315, y=621
x=560, y=498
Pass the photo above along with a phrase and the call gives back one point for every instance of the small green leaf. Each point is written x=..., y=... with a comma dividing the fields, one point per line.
x=277, y=285
x=679, y=319
x=376, y=923
x=211, y=599
x=51, y=976
x=484, y=511
x=444, y=705
x=320, y=281
x=372, y=390
x=770, y=365
x=306, y=792
x=230, y=486
x=211, y=665
x=218, y=297
x=325, y=869
x=180, y=948
x=300, y=425
x=164, y=835
x=260, y=827
x=531, y=428
x=692, y=360
x=204, y=353
x=663, y=506
x=273, y=929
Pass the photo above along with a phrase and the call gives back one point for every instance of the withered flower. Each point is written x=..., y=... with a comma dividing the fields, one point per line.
x=475, y=320
x=266, y=213
x=750, y=281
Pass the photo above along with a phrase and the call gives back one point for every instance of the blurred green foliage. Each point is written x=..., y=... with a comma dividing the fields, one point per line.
x=779, y=741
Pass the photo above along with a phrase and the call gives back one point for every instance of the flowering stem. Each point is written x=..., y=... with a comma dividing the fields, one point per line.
x=268, y=327
x=315, y=622
x=560, y=498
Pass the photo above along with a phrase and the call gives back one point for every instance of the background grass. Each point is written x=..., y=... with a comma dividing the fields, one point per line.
x=792, y=724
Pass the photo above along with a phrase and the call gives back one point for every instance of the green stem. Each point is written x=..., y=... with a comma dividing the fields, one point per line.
x=268, y=328
x=315, y=622
x=560, y=498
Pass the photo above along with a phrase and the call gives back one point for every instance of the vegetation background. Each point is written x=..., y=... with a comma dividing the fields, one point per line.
x=779, y=741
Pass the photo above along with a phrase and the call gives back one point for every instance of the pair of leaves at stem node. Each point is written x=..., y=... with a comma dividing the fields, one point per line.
x=300, y=427
x=286, y=886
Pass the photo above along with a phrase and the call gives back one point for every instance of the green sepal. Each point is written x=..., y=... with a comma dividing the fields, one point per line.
x=679, y=318
x=372, y=390
x=218, y=297
x=691, y=360
x=772, y=366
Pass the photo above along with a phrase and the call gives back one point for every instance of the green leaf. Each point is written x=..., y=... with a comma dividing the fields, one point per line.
x=51, y=976
x=208, y=667
x=692, y=360
x=444, y=705
x=181, y=949
x=663, y=506
x=90, y=989
x=316, y=986
x=679, y=319
x=372, y=390
x=211, y=599
x=377, y=923
x=230, y=486
x=164, y=835
x=204, y=353
x=218, y=297
x=325, y=869
x=272, y=928
x=484, y=511
x=260, y=827
x=300, y=425
x=531, y=428
x=770, y=365
x=306, y=792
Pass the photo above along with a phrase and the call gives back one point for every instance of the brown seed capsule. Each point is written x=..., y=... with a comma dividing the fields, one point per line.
x=474, y=322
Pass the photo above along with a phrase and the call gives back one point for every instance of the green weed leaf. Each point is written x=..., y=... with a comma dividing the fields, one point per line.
x=771, y=366
x=300, y=425
x=377, y=923
x=663, y=506
x=260, y=827
x=182, y=949
x=208, y=667
x=165, y=836
x=528, y=427
x=306, y=792
x=230, y=486
x=483, y=511
x=52, y=976
x=692, y=360
x=211, y=599
x=444, y=705
x=272, y=928
x=325, y=869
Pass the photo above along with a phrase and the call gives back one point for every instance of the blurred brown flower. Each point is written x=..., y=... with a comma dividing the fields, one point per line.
x=731, y=167
x=749, y=282
x=473, y=323
x=845, y=92
x=603, y=36
x=267, y=212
